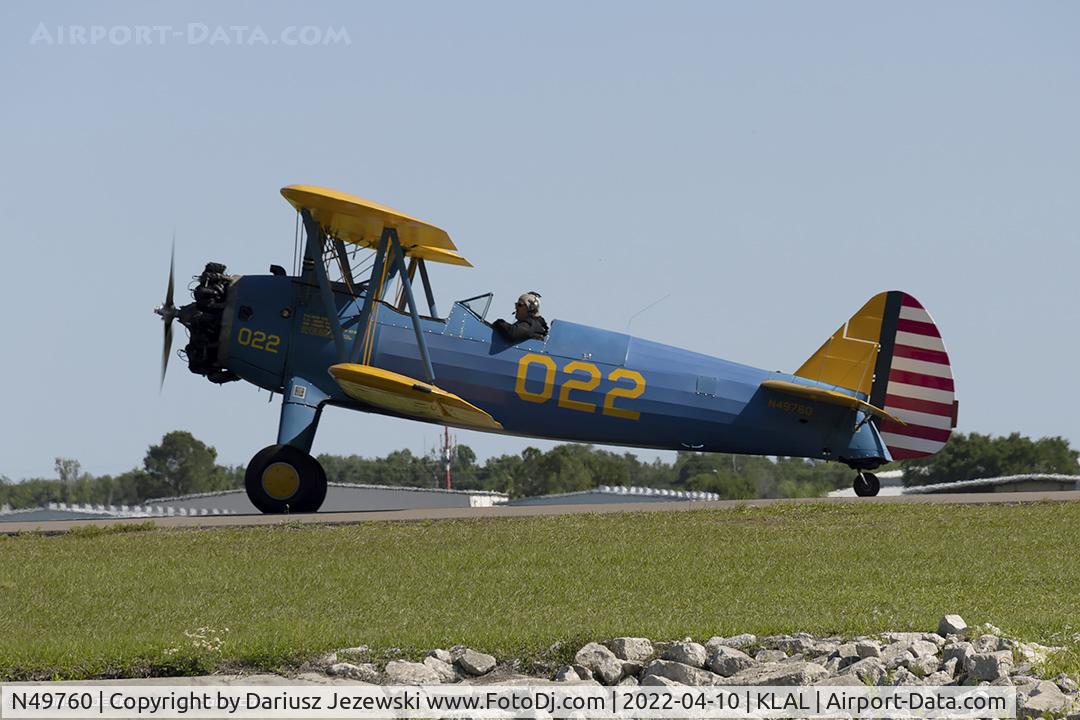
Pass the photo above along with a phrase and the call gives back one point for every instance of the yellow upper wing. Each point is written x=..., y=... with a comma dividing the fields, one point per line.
x=360, y=222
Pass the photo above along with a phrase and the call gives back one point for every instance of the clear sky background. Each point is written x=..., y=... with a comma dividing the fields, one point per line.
x=770, y=165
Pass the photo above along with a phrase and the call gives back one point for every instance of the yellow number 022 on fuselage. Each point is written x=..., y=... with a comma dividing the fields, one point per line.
x=586, y=377
x=258, y=340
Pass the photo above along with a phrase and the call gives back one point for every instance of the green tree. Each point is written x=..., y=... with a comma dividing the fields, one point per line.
x=974, y=456
x=181, y=465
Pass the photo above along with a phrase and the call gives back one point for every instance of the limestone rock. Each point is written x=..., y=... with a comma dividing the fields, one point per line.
x=987, y=644
x=919, y=648
x=566, y=673
x=603, y=663
x=658, y=680
x=444, y=670
x=770, y=656
x=629, y=680
x=727, y=661
x=951, y=625
x=403, y=672
x=685, y=652
x=940, y=678
x=867, y=648
x=1047, y=698
x=903, y=676
x=868, y=670
x=961, y=651
x=366, y=672
x=681, y=673
x=475, y=663
x=443, y=655
x=796, y=673
x=924, y=665
x=739, y=642
x=990, y=666
x=634, y=649
x=583, y=673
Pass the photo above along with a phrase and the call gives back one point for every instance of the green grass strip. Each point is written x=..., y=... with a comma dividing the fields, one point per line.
x=186, y=601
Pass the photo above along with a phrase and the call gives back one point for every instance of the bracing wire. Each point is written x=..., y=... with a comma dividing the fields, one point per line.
x=295, y=246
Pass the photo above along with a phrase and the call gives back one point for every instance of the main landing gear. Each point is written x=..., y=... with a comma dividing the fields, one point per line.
x=284, y=479
x=866, y=484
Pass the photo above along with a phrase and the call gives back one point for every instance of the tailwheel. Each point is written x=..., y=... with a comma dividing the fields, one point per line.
x=866, y=484
x=283, y=479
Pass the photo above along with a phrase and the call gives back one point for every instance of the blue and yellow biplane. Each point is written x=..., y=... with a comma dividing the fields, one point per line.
x=335, y=333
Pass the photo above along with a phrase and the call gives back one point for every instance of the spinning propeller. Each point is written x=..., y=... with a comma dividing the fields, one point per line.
x=168, y=313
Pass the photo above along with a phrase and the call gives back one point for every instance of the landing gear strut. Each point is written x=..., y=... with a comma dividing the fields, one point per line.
x=866, y=484
x=284, y=479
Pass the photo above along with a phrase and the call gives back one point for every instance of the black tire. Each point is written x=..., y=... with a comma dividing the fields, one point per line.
x=283, y=479
x=867, y=484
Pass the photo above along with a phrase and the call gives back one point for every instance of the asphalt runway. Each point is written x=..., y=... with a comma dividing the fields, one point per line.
x=346, y=518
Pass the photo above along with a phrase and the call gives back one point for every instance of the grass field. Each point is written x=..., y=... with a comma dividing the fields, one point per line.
x=187, y=601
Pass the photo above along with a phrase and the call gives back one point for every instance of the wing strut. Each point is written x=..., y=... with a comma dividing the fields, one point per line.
x=314, y=253
x=421, y=343
x=427, y=289
x=389, y=261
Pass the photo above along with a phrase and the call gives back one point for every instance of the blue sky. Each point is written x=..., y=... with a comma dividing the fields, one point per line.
x=770, y=165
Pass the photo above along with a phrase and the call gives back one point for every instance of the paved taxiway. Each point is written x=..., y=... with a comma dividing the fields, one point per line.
x=331, y=518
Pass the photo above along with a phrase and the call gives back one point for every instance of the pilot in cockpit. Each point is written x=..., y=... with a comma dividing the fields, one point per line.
x=529, y=324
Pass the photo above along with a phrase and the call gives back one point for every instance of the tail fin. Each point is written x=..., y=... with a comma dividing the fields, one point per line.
x=891, y=352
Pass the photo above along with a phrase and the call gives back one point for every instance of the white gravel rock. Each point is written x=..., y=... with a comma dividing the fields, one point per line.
x=940, y=678
x=1043, y=701
x=475, y=663
x=796, y=673
x=924, y=665
x=919, y=648
x=727, y=661
x=444, y=670
x=867, y=648
x=685, y=652
x=951, y=625
x=403, y=672
x=990, y=666
x=868, y=670
x=366, y=672
x=442, y=655
x=903, y=676
x=566, y=673
x=634, y=649
x=739, y=642
x=987, y=644
x=961, y=651
x=681, y=673
x=603, y=663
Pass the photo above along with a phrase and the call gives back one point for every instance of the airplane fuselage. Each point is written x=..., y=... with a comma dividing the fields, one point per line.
x=579, y=384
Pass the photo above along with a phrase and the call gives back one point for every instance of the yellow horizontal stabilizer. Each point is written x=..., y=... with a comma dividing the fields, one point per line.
x=409, y=397
x=828, y=396
x=358, y=221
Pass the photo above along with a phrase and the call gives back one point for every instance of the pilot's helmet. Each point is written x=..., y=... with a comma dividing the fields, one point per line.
x=531, y=301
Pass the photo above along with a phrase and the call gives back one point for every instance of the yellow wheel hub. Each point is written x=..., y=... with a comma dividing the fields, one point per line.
x=280, y=481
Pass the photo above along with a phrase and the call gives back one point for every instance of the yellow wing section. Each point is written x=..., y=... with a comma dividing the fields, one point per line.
x=828, y=396
x=847, y=358
x=406, y=396
x=358, y=221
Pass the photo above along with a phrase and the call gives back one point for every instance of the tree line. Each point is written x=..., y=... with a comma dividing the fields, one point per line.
x=181, y=464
